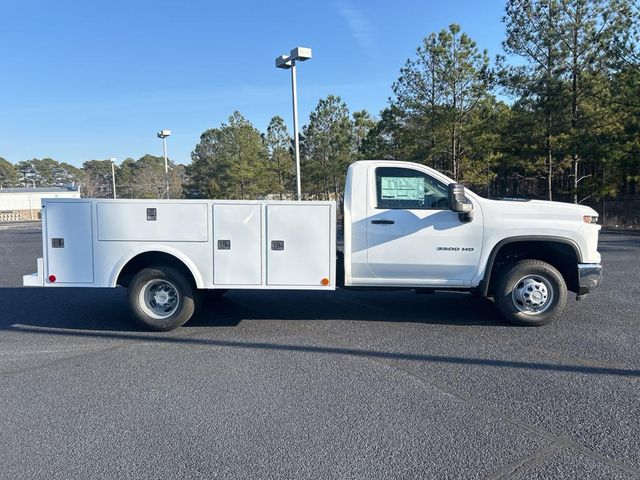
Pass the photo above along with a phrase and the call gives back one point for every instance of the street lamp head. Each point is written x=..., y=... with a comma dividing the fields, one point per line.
x=283, y=61
x=301, y=54
x=164, y=133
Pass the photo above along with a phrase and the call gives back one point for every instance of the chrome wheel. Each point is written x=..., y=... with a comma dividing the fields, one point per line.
x=532, y=294
x=159, y=299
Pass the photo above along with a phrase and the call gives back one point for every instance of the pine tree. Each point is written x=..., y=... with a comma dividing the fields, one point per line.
x=439, y=94
x=281, y=164
x=533, y=34
x=328, y=148
x=9, y=176
x=230, y=162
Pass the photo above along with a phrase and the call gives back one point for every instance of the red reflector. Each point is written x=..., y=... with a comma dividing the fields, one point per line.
x=52, y=278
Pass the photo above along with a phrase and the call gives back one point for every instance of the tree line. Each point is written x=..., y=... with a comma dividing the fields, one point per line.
x=556, y=115
x=141, y=178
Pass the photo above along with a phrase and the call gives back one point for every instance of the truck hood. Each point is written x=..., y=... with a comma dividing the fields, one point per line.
x=542, y=208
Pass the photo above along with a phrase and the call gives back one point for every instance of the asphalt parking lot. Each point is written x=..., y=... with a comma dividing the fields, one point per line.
x=317, y=385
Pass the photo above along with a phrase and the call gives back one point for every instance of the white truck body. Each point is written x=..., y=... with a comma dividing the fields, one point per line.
x=224, y=244
x=400, y=230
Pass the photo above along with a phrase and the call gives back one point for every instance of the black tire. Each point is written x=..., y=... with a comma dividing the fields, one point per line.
x=179, y=299
x=530, y=292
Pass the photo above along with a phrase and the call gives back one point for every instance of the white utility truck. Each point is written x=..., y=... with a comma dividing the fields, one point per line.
x=406, y=226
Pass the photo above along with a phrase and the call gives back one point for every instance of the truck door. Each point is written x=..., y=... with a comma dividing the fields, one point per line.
x=412, y=236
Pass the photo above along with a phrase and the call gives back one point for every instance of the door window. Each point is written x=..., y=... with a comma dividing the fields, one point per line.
x=404, y=188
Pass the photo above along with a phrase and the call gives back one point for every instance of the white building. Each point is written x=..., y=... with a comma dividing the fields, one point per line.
x=24, y=203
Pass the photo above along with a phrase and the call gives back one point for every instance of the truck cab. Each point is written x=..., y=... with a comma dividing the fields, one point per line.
x=407, y=225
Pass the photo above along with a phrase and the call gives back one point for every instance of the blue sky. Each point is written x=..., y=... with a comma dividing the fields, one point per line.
x=84, y=80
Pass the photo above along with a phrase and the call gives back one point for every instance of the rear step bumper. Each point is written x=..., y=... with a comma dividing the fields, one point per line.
x=35, y=279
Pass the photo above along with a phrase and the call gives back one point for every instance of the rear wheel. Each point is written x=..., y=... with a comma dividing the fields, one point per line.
x=161, y=298
x=531, y=292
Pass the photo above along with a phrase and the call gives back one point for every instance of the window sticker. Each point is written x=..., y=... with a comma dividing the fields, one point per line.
x=402, y=188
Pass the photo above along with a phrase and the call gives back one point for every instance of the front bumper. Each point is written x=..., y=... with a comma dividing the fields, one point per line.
x=589, y=276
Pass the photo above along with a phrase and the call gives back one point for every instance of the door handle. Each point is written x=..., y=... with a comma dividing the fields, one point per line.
x=382, y=222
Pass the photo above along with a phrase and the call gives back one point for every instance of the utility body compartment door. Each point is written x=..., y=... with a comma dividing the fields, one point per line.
x=69, y=241
x=237, y=244
x=299, y=245
x=152, y=221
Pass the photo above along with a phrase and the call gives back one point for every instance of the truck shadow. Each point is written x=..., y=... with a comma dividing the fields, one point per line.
x=107, y=309
x=368, y=306
x=103, y=314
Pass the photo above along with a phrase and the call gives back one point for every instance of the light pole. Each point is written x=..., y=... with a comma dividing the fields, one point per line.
x=113, y=175
x=163, y=134
x=289, y=62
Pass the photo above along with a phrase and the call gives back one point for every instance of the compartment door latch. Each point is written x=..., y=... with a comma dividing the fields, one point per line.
x=277, y=245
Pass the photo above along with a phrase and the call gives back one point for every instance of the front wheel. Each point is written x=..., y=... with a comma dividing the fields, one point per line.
x=531, y=292
x=161, y=298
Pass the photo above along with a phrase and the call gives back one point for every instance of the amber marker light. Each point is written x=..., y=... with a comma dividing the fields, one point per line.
x=324, y=281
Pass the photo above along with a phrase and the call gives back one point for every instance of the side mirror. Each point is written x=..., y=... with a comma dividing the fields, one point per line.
x=459, y=203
